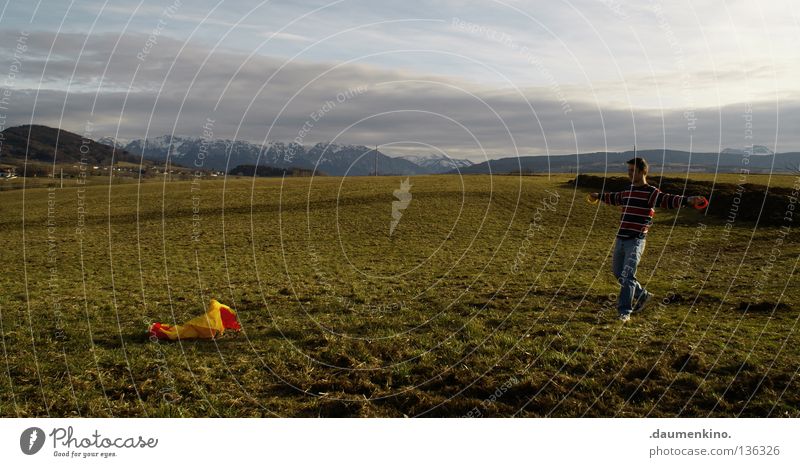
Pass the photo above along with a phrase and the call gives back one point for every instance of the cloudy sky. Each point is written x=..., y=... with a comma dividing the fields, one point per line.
x=480, y=79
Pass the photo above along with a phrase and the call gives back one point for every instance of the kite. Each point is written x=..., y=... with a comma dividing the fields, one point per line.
x=214, y=322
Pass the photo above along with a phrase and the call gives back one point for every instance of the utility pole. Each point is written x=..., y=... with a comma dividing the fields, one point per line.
x=376, y=160
x=62, y=177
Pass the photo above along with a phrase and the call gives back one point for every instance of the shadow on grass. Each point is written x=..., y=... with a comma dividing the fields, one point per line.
x=142, y=338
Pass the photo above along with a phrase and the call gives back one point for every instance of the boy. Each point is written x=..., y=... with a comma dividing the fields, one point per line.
x=637, y=214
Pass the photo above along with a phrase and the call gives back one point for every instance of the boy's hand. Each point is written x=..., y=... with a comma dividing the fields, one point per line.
x=697, y=202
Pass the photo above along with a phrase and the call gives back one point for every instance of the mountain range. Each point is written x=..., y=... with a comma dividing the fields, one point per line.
x=328, y=158
x=339, y=160
x=42, y=143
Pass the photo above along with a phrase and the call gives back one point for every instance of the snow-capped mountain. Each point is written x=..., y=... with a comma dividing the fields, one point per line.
x=753, y=151
x=437, y=163
x=114, y=143
x=335, y=159
x=331, y=159
x=185, y=150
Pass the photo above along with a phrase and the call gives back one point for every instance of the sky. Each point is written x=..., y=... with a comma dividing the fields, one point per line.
x=475, y=80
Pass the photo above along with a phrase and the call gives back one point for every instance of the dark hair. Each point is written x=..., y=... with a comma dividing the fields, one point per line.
x=640, y=163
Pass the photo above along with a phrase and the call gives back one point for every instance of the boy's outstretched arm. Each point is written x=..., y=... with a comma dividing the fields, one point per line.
x=668, y=201
x=660, y=199
x=613, y=198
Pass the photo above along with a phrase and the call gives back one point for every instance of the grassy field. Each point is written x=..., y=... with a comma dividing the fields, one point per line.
x=492, y=297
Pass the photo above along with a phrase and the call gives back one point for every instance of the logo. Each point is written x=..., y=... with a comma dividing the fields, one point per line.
x=403, y=195
x=31, y=440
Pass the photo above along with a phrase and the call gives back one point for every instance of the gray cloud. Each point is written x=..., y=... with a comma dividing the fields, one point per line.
x=177, y=85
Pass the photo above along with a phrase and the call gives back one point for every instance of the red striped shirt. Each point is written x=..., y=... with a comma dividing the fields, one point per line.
x=637, y=208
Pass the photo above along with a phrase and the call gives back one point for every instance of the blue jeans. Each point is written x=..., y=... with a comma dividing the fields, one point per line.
x=627, y=254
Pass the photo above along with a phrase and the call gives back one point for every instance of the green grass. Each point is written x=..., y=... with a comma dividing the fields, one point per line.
x=342, y=319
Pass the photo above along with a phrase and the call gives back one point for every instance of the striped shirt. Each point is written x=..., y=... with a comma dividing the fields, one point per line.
x=637, y=207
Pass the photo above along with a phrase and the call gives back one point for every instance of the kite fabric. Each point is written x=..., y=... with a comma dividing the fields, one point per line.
x=209, y=325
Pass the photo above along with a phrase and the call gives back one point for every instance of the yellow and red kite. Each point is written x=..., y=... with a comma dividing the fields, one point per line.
x=209, y=325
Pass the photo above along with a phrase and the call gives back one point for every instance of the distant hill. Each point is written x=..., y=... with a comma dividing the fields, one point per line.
x=666, y=159
x=754, y=150
x=45, y=144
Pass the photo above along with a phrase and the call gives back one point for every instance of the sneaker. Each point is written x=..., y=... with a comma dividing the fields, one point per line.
x=642, y=302
x=624, y=318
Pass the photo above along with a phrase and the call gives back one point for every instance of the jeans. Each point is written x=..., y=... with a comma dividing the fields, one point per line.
x=627, y=254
